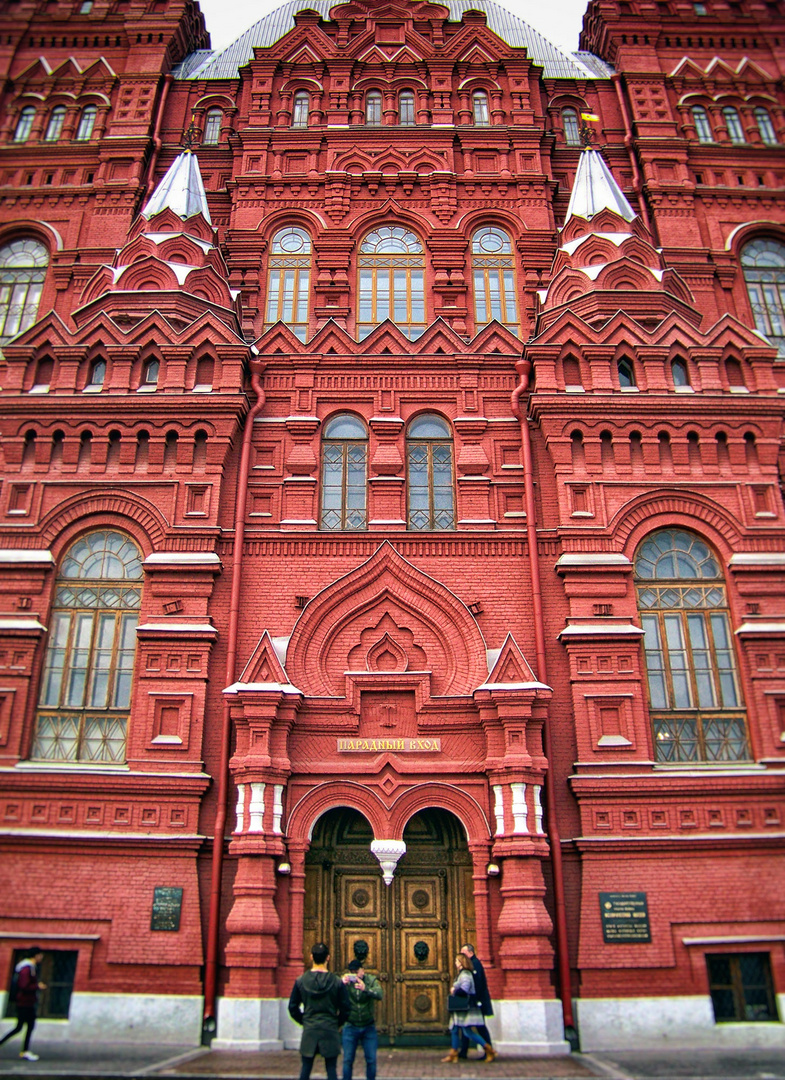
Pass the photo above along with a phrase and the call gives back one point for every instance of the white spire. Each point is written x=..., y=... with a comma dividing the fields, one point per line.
x=595, y=189
x=181, y=190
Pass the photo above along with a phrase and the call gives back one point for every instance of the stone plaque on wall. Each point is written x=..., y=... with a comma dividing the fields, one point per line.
x=167, y=905
x=625, y=917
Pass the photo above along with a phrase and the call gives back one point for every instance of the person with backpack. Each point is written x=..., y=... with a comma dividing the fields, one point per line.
x=25, y=987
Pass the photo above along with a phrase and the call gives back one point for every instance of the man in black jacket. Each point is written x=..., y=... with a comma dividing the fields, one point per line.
x=482, y=996
x=320, y=1002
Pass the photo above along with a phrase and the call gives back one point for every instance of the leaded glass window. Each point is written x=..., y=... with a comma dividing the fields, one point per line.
x=572, y=130
x=430, y=474
x=406, y=108
x=212, y=127
x=24, y=124
x=494, y=279
x=344, y=473
x=23, y=266
x=695, y=699
x=763, y=265
x=300, y=109
x=373, y=108
x=392, y=281
x=765, y=126
x=86, y=123
x=54, y=128
x=733, y=124
x=86, y=681
x=480, y=113
x=288, y=281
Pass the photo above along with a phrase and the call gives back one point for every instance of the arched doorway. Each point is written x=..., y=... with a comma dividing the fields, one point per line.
x=413, y=927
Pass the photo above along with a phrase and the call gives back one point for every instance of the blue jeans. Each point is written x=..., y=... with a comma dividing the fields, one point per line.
x=352, y=1037
x=455, y=1038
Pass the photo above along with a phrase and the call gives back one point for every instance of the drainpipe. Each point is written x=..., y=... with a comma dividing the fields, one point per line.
x=168, y=80
x=241, y=501
x=628, y=142
x=524, y=369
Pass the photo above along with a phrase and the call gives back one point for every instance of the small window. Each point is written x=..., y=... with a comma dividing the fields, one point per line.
x=97, y=376
x=430, y=474
x=54, y=128
x=765, y=127
x=212, y=127
x=699, y=9
x=86, y=123
x=626, y=374
x=741, y=988
x=344, y=474
x=681, y=376
x=150, y=375
x=300, y=110
x=480, y=113
x=406, y=108
x=24, y=124
x=702, y=126
x=86, y=7
x=373, y=108
x=733, y=124
x=572, y=130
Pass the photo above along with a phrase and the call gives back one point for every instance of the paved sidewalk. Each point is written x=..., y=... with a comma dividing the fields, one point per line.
x=121, y=1061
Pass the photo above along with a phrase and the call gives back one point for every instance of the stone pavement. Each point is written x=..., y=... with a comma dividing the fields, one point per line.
x=121, y=1061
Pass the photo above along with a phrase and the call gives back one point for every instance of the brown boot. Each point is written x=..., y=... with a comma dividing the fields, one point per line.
x=490, y=1053
x=451, y=1057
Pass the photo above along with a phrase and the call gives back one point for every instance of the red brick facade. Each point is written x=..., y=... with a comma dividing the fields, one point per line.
x=282, y=555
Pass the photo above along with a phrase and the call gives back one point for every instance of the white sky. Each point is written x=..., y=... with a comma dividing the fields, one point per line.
x=559, y=20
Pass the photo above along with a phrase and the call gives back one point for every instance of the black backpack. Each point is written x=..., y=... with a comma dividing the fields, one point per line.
x=14, y=988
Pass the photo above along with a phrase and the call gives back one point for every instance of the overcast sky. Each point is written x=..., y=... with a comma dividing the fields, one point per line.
x=557, y=20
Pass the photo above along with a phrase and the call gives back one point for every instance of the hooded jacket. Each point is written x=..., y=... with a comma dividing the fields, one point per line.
x=26, y=984
x=320, y=1002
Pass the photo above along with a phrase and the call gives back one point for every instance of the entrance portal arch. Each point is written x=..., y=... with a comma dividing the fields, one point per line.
x=412, y=928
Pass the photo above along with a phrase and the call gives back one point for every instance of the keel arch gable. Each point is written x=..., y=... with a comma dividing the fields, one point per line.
x=344, y=627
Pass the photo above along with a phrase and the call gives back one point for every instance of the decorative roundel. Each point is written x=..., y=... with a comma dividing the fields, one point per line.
x=490, y=241
x=360, y=898
x=422, y=1003
x=420, y=898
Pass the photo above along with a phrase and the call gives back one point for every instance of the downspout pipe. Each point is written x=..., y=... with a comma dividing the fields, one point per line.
x=524, y=369
x=629, y=143
x=168, y=80
x=241, y=502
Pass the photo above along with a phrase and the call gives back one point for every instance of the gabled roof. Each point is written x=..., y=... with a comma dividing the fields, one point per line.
x=516, y=32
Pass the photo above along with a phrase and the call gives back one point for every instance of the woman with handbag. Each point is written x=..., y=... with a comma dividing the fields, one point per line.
x=465, y=1015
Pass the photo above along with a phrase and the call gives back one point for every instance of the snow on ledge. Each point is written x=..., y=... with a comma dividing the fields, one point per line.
x=261, y=687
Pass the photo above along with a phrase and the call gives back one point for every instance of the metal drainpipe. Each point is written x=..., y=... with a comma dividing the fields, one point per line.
x=168, y=80
x=214, y=916
x=524, y=369
x=628, y=142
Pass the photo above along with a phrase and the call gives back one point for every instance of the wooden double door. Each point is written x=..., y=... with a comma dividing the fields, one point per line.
x=413, y=928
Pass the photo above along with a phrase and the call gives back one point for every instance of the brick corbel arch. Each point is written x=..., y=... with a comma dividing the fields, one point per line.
x=444, y=797
x=349, y=794
x=661, y=509
x=386, y=584
x=109, y=504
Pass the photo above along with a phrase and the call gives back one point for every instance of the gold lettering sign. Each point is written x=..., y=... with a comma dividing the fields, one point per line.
x=380, y=744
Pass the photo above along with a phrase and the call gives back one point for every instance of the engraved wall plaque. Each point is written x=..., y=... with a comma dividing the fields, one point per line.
x=167, y=905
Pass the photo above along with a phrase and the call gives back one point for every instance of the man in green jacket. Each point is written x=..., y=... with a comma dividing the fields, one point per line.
x=364, y=992
x=320, y=1002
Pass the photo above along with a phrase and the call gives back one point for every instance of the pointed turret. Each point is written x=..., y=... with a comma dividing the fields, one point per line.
x=181, y=190
x=595, y=189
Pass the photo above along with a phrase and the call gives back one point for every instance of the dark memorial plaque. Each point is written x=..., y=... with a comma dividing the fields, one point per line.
x=625, y=917
x=167, y=904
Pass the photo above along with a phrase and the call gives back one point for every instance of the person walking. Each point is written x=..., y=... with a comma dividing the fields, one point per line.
x=319, y=1002
x=26, y=998
x=466, y=1020
x=364, y=991
x=482, y=996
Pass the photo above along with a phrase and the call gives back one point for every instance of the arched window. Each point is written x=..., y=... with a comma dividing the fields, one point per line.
x=694, y=695
x=23, y=266
x=86, y=123
x=344, y=473
x=626, y=374
x=733, y=124
x=480, y=113
x=765, y=126
x=95, y=381
x=392, y=281
x=373, y=108
x=572, y=129
x=24, y=124
x=288, y=280
x=54, y=128
x=763, y=265
x=702, y=126
x=86, y=680
x=300, y=109
x=212, y=127
x=406, y=108
x=680, y=373
x=430, y=476
x=494, y=279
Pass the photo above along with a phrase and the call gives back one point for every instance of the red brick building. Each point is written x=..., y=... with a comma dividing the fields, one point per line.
x=390, y=489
